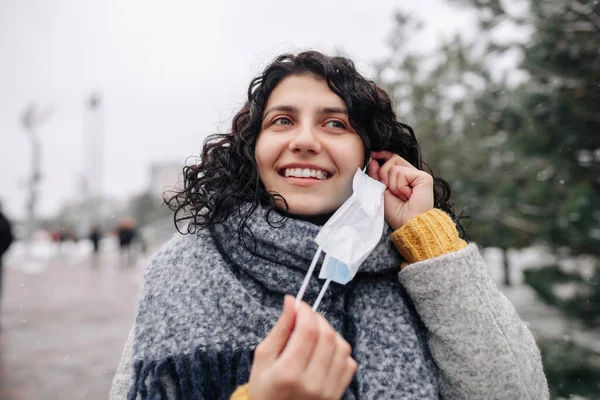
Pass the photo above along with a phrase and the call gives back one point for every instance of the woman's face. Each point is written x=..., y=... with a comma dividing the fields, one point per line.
x=306, y=150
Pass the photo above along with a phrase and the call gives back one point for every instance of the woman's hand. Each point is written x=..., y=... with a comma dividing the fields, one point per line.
x=303, y=357
x=409, y=191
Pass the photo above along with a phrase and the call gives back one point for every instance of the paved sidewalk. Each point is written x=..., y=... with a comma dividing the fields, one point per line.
x=63, y=325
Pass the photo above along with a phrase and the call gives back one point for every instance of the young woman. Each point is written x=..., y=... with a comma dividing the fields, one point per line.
x=422, y=319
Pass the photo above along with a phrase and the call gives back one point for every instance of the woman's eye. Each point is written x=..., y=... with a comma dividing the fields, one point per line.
x=336, y=125
x=282, y=121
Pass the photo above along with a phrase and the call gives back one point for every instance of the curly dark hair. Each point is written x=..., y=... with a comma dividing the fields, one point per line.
x=227, y=174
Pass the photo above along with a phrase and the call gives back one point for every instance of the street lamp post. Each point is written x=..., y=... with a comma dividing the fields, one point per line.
x=32, y=119
x=94, y=160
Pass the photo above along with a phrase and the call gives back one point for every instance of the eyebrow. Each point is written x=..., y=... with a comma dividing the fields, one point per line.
x=320, y=111
x=332, y=110
x=290, y=109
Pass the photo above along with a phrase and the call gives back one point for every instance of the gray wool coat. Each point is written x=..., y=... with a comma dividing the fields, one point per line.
x=479, y=344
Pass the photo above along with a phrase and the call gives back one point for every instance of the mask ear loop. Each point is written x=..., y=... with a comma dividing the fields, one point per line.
x=309, y=273
x=313, y=264
x=367, y=165
x=321, y=294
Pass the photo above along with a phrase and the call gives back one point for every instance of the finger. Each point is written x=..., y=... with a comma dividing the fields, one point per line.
x=338, y=369
x=394, y=160
x=388, y=155
x=302, y=342
x=373, y=168
x=346, y=377
x=382, y=155
x=400, y=183
x=381, y=174
x=276, y=340
x=316, y=371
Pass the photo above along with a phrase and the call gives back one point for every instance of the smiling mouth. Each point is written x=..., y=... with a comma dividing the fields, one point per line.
x=305, y=173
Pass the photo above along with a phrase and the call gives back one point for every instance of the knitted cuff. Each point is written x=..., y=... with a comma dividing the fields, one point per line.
x=241, y=393
x=427, y=235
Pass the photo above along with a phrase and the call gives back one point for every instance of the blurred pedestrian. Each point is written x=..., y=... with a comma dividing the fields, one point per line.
x=95, y=236
x=55, y=236
x=127, y=234
x=6, y=239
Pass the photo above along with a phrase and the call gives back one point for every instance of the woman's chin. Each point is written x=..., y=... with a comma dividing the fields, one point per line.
x=308, y=206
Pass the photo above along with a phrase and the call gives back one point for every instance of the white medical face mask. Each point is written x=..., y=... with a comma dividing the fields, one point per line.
x=350, y=235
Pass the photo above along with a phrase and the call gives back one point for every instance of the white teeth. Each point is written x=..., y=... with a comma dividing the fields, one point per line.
x=305, y=173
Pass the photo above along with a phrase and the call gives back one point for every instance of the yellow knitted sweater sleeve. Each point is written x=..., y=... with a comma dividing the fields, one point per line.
x=427, y=235
x=241, y=393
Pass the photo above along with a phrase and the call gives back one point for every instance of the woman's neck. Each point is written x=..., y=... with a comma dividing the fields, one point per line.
x=318, y=219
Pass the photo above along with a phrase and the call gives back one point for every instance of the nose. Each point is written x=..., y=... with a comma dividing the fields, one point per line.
x=305, y=141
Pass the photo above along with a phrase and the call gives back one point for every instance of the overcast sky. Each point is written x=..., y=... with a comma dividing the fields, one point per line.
x=170, y=73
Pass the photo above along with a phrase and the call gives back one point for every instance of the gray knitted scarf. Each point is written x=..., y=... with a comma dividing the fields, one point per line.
x=207, y=301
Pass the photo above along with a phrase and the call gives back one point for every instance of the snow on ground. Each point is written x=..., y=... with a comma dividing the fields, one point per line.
x=34, y=258
x=520, y=260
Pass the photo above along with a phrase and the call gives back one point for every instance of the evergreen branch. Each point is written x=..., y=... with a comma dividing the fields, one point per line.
x=521, y=224
x=586, y=11
x=534, y=211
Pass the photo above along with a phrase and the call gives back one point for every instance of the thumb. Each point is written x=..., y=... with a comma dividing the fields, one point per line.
x=276, y=340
